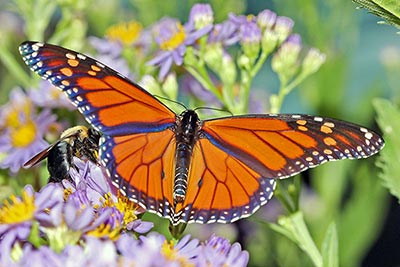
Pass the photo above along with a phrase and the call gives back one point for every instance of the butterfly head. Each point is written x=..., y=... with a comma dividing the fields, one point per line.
x=189, y=122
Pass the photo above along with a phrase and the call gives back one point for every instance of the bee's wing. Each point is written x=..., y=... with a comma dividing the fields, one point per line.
x=40, y=156
x=44, y=153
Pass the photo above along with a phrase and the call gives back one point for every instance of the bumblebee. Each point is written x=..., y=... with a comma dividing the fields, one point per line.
x=78, y=141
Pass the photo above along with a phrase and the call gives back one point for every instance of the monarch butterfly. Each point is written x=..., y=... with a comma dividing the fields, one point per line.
x=185, y=169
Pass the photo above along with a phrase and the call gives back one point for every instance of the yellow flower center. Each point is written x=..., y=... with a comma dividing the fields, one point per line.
x=23, y=135
x=124, y=205
x=170, y=252
x=126, y=33
x=104, y=230
x=176, y=40
x=18, y=210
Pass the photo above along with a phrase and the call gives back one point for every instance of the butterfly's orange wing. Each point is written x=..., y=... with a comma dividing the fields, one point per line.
x=137, y=146
x=142, y=167
x=110, y=102
x=236, y=160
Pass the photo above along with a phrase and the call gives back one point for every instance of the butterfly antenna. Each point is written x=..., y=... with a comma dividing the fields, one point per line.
x=170, y=100
x=215, y=109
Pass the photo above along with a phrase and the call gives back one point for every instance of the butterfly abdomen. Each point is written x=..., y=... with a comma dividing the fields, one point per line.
x=186, y=133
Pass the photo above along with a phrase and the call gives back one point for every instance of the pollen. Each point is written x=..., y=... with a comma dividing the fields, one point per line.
x=23, y=135
x=176, y=39
x=123, y=205
x=17, y=210
x=127, y=33
x=104, y=230
x=170, y=252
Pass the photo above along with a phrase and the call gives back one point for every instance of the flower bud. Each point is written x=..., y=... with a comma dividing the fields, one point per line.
x=313, y=61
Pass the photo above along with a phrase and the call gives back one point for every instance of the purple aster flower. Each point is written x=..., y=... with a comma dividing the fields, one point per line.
x=225, y=33
x=217, y=251
x=49, y=96
x=110, y=53
x=90, y=187
x=173, y=38
x=95, y=253
x=22, y=130
x=201, y=15
x=250, y=33
x=192, y=87
x=239, y=20
x=283, y=27
x=266, y=19
x=18, y=214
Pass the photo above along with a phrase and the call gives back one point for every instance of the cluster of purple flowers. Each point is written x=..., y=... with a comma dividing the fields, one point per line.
x=84, y=222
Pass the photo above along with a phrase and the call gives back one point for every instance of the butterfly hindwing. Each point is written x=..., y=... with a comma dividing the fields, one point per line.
x=221, y=188
x=110, y=102
x=141, y=166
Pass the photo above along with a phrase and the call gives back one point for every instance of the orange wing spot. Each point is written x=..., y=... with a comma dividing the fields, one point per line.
x=66, y=71
x=206, y=194
x=301, y=122
x=95, y=68
x=131, y=144
x=197, y=170
x=155, y=180
x=73, y=62
x=282, y=144
x=75, y=90
x=302, y=128
x=330, y=141
x=97, y=98
x=140, y=178
x=342, y=139
x=328, y=151
x=90, y=83
x=138, y=94
x=354, y=135
x=92, y=73
x=301, y=139
x=156, y=144
x=65, y=82
x=222, y=197
x=326, y=129
x=246, y=177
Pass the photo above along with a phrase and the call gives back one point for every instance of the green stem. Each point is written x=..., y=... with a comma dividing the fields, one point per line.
x=15, y=69
x=284, y=90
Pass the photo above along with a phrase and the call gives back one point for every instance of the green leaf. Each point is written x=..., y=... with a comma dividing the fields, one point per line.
x=388, y=120
x=330, y=256
x=294, y=228
x=389, y=10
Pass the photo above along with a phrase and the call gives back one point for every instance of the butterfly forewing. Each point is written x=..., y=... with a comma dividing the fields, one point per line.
x=110, y=102
x=278, y=146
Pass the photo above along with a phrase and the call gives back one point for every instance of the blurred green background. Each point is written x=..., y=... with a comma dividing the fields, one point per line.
x=363, y=63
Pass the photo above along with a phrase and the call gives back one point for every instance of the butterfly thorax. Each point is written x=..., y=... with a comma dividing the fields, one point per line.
x=187, y=127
